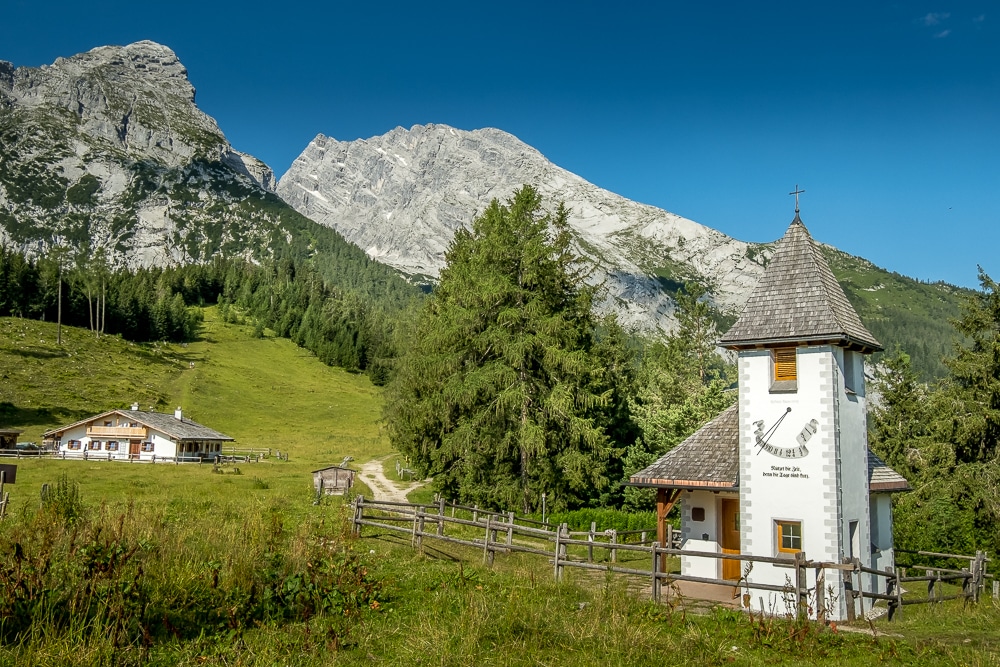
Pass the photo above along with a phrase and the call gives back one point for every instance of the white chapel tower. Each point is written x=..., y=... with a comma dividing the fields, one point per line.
x=802, y=416
x=787, y=469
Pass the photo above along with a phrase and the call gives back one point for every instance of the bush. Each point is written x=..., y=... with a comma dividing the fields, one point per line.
x=605, y=519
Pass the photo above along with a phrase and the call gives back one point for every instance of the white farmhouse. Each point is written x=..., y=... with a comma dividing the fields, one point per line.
x=137, y=435
x=786, y=469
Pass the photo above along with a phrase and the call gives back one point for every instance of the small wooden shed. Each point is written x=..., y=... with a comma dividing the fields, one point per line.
x=333, y=480
x=8, y=437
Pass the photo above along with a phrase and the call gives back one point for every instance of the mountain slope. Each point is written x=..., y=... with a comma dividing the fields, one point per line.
x=401, y=196
x=107, y=150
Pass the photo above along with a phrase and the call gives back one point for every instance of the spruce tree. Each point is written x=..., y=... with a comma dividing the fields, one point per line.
x=972, y=394
x=501, y=396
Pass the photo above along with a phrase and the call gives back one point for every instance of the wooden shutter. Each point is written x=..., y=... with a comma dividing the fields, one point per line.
x=784, y=364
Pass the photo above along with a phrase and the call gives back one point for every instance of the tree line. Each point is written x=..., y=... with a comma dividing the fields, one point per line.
x=290, y=296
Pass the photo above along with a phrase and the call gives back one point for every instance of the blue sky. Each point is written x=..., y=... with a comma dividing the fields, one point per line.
x=886, y=113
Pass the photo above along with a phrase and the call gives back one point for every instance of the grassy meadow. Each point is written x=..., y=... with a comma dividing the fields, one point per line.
x=266, y=393
x=137, y=564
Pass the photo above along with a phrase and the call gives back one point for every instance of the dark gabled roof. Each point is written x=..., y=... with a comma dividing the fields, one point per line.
x=333, y=468
x=180, y=429
x=798, y=301
x=882, y=478
x=709, y=459
x=706, y=459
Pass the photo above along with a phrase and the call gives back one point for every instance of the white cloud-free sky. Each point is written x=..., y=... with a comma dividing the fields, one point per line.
x=886, y=114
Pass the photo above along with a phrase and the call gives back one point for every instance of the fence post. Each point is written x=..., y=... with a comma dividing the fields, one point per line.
x=996, y=589
x=487, y=552
x=358, y=514
x=800, y=584
x=510, y=529
x=978, y=578
x=558, y=570
x=968, y=582
x=821, y=594
x=475, y=513
x=440, y=529
x=930, y=585
x=900, y=573
x=564, y=529
x=891, y=584
x=420, y=530
x=656, y=572
x=590, y=538
x=614, y=541
x=848, y=576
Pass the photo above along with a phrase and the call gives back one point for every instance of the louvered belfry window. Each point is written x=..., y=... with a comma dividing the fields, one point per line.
x=784, y=364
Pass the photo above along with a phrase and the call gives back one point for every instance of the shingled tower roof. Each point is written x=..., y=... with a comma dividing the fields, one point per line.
x=798, y=301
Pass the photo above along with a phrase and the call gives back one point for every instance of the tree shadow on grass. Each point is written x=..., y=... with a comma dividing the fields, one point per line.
x=37, y=353
x=13, y=416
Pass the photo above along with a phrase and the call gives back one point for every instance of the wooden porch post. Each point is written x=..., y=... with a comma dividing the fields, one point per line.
x=665, y=499
x=661, y=515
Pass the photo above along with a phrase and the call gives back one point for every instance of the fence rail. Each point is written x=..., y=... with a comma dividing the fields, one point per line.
x=247, y=456
x=497, y=532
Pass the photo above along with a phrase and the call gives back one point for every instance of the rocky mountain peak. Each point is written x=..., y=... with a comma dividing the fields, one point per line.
x=402, y=195
x=109, y=147
x=135, y=98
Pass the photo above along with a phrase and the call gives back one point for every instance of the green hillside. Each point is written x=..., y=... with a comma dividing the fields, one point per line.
x=264, y=392
x=901, y=311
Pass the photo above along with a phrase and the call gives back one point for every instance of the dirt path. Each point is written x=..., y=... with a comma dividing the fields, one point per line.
x=382, y=487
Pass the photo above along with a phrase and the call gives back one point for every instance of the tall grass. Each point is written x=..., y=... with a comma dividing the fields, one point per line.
x=116, y=584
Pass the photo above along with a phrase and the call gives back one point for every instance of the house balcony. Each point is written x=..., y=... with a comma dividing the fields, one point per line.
x=123, y=432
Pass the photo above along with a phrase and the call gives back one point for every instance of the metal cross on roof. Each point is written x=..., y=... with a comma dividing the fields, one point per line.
x=796, y=192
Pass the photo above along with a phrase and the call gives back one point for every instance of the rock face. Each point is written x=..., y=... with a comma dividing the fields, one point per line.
x=108, y=149
x=137, y=98
x=402, y=196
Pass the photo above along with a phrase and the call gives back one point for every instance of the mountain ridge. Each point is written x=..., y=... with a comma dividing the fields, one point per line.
x=401, y=196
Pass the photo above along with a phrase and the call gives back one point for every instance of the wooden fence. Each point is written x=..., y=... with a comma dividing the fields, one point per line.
x=228, y=455
x=495, y=532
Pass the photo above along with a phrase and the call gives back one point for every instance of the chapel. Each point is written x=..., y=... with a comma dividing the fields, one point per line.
x=787, y=468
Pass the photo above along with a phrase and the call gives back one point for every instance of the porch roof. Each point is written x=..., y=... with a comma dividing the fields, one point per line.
x=706, y=459
x=709, y=459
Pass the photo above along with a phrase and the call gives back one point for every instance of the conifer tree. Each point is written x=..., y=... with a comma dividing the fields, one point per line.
x=501, y=396
x=971, y=401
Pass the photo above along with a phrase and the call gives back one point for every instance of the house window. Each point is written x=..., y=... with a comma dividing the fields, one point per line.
x=111, y=446
x=789, y=536
x=73, y=444
x=107, y=423
x=147, y=446
x=784, y=364
x=94, y=445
